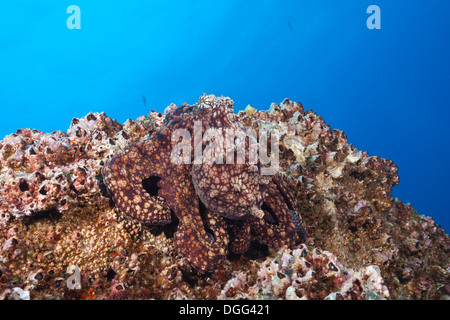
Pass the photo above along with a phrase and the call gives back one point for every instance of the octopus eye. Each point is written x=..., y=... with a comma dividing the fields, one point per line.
x=151, y=185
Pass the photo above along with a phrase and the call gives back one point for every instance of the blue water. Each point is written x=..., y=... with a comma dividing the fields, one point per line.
x=388, y=89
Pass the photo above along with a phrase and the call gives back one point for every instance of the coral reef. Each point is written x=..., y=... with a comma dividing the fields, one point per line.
x=305, y=274
x=58, y=223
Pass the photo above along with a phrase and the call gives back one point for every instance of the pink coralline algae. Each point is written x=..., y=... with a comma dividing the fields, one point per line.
x=42, y=172
x=58, y=215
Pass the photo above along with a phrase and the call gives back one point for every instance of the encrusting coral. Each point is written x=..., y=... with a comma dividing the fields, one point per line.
x=57, y=215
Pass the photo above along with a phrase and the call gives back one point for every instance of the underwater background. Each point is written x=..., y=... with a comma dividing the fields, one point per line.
x=387, y=89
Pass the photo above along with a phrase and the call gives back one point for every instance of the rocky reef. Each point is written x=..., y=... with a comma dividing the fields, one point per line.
x=60, y=226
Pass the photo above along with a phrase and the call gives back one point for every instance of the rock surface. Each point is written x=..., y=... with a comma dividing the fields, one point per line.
x=59, y=225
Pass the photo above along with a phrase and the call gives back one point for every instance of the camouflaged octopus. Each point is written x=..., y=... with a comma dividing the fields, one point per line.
x=218, y=206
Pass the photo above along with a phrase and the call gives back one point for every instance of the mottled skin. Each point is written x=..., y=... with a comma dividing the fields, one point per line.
x=235, y=199
x=231, y=189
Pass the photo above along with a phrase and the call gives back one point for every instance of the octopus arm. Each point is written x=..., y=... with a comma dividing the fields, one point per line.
x=276, y=228
x=201, y=237
x=240, y=235
x=125, y=177
x=291, y=202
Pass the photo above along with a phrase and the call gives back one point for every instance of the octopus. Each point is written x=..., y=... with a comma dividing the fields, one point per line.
x=219, y=205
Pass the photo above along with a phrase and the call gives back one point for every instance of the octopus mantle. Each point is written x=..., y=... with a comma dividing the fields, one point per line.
x=218, y=206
